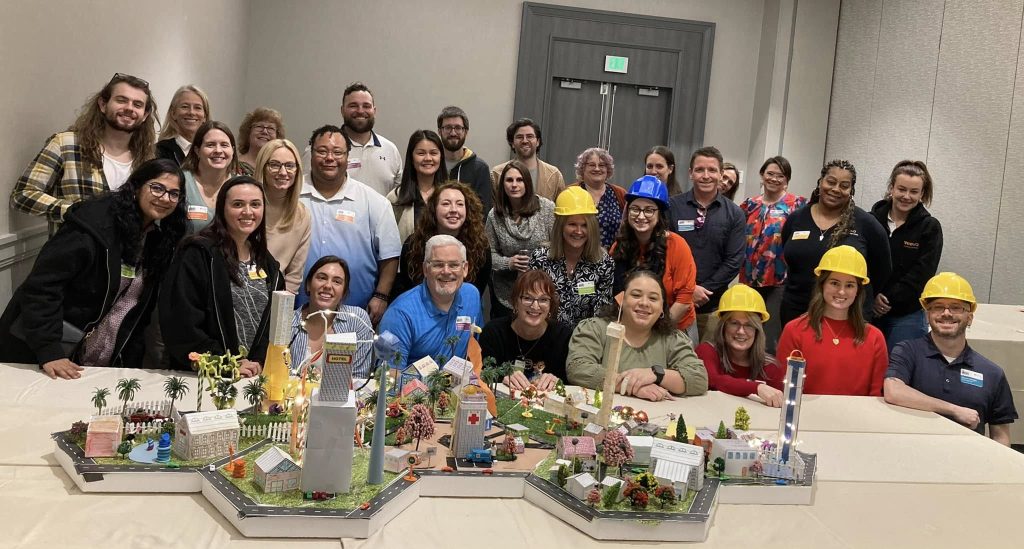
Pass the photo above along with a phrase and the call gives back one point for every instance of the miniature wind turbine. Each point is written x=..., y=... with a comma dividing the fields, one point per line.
x=383, y=348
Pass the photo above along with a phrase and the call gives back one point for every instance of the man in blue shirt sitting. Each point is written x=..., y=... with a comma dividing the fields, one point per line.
x=437, y=317
x=940, y=373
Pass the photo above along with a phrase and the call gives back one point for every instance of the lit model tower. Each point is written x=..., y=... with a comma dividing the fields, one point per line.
x=789, y=416
x=327, y=461
x=278, y=357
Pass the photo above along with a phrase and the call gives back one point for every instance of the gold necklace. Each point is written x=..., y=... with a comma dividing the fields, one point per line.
x=835, y=338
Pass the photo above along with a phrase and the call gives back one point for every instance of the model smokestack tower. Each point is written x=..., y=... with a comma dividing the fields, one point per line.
x=278, y=357
x=789, y=416
x=327, y=460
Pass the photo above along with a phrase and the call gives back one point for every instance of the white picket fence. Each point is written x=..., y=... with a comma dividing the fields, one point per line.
x=162, y=407
x=278, y=432
x=137, y=428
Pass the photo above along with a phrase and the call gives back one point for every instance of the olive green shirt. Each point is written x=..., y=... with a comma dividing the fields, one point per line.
x=590, y=345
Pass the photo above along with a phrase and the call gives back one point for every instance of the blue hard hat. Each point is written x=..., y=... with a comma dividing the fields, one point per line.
x=651, y=188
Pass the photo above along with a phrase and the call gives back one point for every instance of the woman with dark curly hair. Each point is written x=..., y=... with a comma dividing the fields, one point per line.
x=98, y=275
x=830, y=219
x=657, y=360
x=455, y=210
x=645, y=242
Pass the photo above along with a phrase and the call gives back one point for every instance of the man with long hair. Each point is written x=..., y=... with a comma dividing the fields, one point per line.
x=524, y=138
x=114, y=134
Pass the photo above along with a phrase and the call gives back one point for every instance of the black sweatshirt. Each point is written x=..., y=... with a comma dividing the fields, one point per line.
x=916, y=247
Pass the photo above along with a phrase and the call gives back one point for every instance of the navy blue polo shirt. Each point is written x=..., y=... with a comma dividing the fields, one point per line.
x=971, y=381
x=716, y=241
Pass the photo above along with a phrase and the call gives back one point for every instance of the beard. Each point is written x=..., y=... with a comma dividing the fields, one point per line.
x=456, y=146
x=359, y=125
x=114, y=123
x=528, y=149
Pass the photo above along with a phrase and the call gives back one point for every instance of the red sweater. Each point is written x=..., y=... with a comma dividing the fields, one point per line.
x=737, y=383
x=842, y=369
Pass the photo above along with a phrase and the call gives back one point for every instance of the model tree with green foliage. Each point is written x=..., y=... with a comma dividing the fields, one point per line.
x=255, y=391
x=224, y=394
x=126, y=389
x=124, y=448
x=174, y=388
x=718, y=466
x=563, y=475
x=490, y=372
x=560, y=388
x=742, y=419
x=437, y=383
x=666, y=495
x=681, y=434
x=78, y=431
x=597, y=401
x=99, y=399
x=611, y=495
x=722, y=433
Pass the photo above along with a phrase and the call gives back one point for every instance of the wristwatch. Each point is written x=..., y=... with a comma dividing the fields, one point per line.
x=659, y=373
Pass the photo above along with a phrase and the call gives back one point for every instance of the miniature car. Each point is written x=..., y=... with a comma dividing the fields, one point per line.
x=364, y=506
x=488, y=471
x=447, y=469
x=479, y=455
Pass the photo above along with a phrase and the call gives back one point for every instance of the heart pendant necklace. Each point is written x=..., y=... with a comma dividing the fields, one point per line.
x=835, y=338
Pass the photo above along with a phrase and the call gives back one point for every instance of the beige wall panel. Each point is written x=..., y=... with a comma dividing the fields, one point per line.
x=1008, y=267
x=967, y=148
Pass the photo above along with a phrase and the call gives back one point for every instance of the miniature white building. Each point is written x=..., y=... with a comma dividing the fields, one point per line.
x=461, y=371
x=641, y=449
x=103, y=436
x=418, y=370
x=594, y=431
x=468, y=425
x=669, y=451
x=579, y=485
x=276, y=471
x=206, y=435
x=675, y=474
x=337, y=366
x=613, y=481
x=396, y=460
x=330, y=437
x=737, y=454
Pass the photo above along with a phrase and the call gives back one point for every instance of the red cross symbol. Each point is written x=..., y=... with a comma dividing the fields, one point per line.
x=473, y=418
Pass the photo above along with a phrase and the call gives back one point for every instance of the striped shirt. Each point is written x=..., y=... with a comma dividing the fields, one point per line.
x=342, y=323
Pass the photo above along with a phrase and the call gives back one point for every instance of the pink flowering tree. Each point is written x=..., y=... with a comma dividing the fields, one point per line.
x=419, y=424
x=617, y=450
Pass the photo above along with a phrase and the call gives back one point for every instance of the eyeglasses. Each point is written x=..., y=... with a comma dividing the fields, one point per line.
x=159, y=191
x=736, y=325
x=133, y=81
x=336, y=153
x=774, y=175
x=289, y=167
x=635, y=211
x=453, y=129
x=272, y=130
x=441, y=265
x=530, y=301
x=592, y=166
x=956, y=308
x=702, y=216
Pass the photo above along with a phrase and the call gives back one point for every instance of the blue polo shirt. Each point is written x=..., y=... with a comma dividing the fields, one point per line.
x=716, y=243
x=357, y=225
x=422, y=328
x=971, y=381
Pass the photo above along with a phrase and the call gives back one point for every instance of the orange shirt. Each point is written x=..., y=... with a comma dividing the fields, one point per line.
x=680, y=275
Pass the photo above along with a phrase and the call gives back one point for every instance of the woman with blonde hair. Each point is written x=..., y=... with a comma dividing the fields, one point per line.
x=279, y=170
x=189, y=109
x=258, y=128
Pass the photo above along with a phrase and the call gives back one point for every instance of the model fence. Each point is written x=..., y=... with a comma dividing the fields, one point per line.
x=152, y=407
x=278, y=432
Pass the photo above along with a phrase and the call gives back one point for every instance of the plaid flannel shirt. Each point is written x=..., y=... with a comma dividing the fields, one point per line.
x=57, y=178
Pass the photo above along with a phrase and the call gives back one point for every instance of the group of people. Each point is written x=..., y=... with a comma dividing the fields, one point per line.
x=161, y=248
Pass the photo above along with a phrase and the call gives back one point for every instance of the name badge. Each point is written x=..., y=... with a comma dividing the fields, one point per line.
x=355, y=163
x=256, y=273
x=198, y=213
x=348, y=216
x=585, y=288
x=463, y=323
x=970, y=377
x=519, y=365
x=801, y=235
x=911, y=245
x=127, y=271
x=684, y=225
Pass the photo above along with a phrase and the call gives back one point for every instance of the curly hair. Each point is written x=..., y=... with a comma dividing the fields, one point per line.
x=260, y=114
x=845, y=225
x=602, y=156
x=92, y=123
x=627, y=246
x=664, y=324
x=471, y=234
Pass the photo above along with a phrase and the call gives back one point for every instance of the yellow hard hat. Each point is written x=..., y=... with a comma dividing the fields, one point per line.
x=844, y=259
x=950, y=285
x=742, y=299
x=575, y=201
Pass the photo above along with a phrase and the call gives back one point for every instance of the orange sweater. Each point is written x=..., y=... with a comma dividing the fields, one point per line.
x=680, y=276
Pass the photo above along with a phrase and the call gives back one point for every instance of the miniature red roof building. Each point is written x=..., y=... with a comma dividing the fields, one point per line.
x=103, y=436
x=412, y=388
x=569, y=447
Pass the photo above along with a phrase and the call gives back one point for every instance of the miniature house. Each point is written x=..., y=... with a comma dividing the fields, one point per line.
x=418, y=370
x=579, y=485
x=396, y=460
x=461, y=371
x=704, y=438
x=206, y=435
x=669, y=451
x=276, y=471
x=738, y=455
x=645, y=429
x=103, y=436
x=613, y=481
x=413, y=389
x=641, y=448
x=581, y=448
x=675, y=474
x=595, y=432
x=521, y=434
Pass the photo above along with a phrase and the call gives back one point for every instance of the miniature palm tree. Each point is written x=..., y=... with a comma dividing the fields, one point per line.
x=419, y=424
x=255, y=391
x=126, y=389
x=175, y=388
x=99, y=399
x=742, y=419
x=224, y=394
x=681, y=435
x=437, y=383
x=490, y=372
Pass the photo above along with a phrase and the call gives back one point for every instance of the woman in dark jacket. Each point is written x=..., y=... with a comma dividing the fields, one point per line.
x=915, y=243
x=98, y=275
x=189, y=109
x=217, y=295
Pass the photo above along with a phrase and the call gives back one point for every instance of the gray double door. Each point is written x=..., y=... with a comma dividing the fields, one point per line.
x=625, y=119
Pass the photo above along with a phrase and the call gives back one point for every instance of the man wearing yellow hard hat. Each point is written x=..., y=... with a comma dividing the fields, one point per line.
x=941, y=373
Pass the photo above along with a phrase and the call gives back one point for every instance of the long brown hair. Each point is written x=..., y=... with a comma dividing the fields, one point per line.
x=218, y=235
x=472, y=234
x=92, y=123
x=816, y=310
x=191, y=162
x=757, y=358
x=845, y=225
x=528, y=206
x=664, y=324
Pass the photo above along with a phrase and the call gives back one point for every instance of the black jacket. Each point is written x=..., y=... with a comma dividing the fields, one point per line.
x=76, y=278
x=916, y=247
x=169, y=149
x=196, y=311
x=475, y=173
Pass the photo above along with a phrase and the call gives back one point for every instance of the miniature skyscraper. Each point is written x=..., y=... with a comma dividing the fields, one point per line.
x=789, y=416
x=611, y=372
x=469, y=424
x=327, y=461
x=278, y=356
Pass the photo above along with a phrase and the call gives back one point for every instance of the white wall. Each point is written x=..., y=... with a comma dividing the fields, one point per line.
x=939, y=81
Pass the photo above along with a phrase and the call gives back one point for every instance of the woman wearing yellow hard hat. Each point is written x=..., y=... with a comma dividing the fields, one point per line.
x=580, y=268
x=736, y=362
x=845, y=355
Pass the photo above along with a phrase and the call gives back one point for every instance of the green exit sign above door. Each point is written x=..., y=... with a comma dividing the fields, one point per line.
x=615, y=63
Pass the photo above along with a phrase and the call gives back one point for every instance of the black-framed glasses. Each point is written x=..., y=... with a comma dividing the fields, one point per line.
x=453, y=129
x=133, y=81
x=956, y=308
x=289, y=167
x=159, y=191
x=702, y=216
x=635, y=211
x=529, y=301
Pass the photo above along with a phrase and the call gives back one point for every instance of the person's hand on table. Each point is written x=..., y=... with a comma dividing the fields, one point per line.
x=654, y=393
x=517, y=381
x=62, y=368
x=966, y=416
x=249, y=368
x=770, y=395
x=881, y=306
x=629, y=382
x=545, y=382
